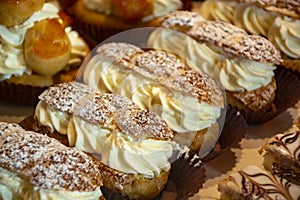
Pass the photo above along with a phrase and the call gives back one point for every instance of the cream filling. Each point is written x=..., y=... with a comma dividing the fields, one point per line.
x=198, y=56
x=218, y=10
x=239, y=74
x=235, y=74
x=116, y=150
x=55, y=120
x=120, y=151
x=12, y=62
x=285, y=35
x=46, y=194
x=13, y=187
x=253, y=19
x=182, y=113
x=160, y=7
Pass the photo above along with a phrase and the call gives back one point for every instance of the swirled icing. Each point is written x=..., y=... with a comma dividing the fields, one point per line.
x=55, y=120
x=238, y=74
x=218, y=10
x=235, y=74
x=285, y=34
x=118, y=150
x=253, y=19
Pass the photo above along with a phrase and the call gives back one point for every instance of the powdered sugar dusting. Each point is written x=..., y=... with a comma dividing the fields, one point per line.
x=48, y=163
x=181, y=20
x=64, y=96
x=143, y=124
x=203, y=87
x=120, y=52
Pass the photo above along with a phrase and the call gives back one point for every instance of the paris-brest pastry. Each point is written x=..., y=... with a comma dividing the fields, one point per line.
x=135, y=146
x=160, y=81
x=35, y=166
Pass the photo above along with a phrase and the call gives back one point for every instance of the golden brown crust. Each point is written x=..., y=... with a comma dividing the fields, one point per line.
x=16, y=12
x=133, y=186
x=256, y=100
x=198, y=140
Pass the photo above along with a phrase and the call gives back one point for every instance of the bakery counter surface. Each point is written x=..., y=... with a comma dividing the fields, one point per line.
x=243, y=154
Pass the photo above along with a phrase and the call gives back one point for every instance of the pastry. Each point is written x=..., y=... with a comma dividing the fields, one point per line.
x=15, y=12
x=243, y=63
x=102, y=19
x=281, y=156
x=34, y=166
x=279, y=21
x=114, y=130
x=37, y=52
x=159, y=81
x=252, y=182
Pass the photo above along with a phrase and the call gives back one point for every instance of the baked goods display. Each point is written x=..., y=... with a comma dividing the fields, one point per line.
x=102, y=19
x=253, y=182
x=151, y=105
x=245, y=64
x=134, y=145
x=34, y=166
x=191, y=103
x=38, y=49
x=279, y=21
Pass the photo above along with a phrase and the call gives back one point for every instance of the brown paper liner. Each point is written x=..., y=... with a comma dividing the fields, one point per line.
x=186, y=177
x=19, y=94
x=287, y=95
x=234, y=129
x=28, y=95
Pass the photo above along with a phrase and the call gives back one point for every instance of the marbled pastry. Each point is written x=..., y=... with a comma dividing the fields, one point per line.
x=35, y=166
x=282, y=156
x=243, y=63
x=159, y=81
x=135, y=146
x=38, y=51
x=253, y=182
x=277, y=20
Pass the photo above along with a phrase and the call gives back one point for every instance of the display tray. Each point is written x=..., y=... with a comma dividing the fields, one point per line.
x=238, y=156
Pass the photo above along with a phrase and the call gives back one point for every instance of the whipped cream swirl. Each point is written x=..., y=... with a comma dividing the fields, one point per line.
x=285, y=35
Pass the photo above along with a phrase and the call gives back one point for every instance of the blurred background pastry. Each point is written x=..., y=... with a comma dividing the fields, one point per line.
x=279, y=21
x=34, y=166
x=244, y=64
x=99, y=20
x=37, y=51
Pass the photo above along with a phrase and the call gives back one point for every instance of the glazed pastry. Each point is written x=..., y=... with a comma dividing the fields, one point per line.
x=15, y=12
x=243, y=63
x=253, y=182
x=159, y=81
x=116, y=131
x=105, y=18
x=279, y=21
x=34, y=166
x=38, y=52
x=281, y=156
